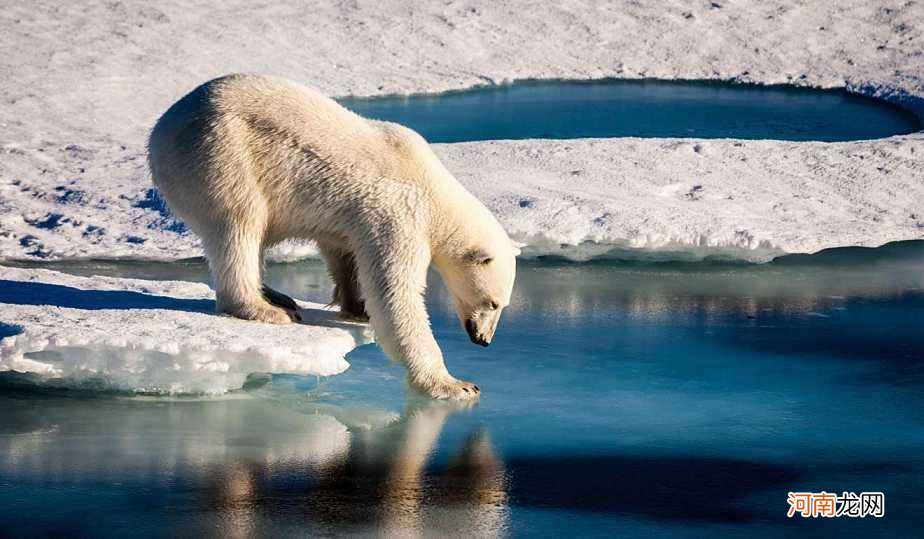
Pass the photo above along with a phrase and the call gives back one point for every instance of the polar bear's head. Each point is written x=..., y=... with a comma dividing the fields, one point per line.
x=480, y=278
x=471, y=250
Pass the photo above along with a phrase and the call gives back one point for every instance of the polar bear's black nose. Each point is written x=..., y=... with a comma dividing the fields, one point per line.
x=472, y=331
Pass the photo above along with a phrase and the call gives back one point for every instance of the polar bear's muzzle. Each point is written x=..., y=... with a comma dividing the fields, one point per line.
x=482, y=325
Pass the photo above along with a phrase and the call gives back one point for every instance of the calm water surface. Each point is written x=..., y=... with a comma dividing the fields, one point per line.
x=640, y=108
x=619, y=399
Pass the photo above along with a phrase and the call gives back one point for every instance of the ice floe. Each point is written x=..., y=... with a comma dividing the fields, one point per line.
x=154, y=336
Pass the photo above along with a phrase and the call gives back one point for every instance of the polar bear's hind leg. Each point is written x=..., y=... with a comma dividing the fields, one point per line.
x=342, y=268
x=234, y=260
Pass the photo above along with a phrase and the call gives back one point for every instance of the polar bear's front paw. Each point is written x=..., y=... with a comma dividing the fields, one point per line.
x=452, y=389
x=264, y=312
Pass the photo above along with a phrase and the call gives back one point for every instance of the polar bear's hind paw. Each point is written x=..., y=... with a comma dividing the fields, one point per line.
x=354, y=313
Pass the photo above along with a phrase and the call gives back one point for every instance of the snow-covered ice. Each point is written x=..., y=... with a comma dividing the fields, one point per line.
x=83, y=82
x=746, y=199
x=154, y=336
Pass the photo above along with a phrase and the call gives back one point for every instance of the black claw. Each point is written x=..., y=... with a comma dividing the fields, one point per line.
x=279, y=299
x=465, y=389
x=477, y=389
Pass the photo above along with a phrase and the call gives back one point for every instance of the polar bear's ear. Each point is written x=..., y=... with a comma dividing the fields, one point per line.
x=478, y=257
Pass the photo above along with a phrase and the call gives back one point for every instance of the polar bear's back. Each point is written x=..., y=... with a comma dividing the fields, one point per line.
x=284, y=130
x=270, y=150
x=252, y=136
x=267, y=150
x=240, y=108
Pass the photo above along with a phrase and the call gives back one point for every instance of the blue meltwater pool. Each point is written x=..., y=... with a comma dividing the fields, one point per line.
x=641, y=108
x=619, y=399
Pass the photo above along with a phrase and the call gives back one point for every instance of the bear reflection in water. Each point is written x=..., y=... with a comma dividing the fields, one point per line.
x=379, y=481
x=252, y=464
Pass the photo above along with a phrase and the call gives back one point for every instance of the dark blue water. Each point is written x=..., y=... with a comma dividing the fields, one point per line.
x=640, y=108
x=619, y=399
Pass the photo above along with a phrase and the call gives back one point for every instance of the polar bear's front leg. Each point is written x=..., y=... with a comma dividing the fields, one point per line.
x=393, y=279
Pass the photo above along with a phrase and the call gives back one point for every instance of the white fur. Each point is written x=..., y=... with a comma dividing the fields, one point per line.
x=250, y=161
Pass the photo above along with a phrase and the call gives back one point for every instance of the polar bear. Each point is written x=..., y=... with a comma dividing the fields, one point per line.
x=249, y=161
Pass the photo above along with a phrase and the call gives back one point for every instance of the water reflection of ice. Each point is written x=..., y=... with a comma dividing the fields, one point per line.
x=679, y=292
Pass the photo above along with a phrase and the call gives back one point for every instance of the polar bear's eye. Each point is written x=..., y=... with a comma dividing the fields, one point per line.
x=494, y=305
x=478, y=257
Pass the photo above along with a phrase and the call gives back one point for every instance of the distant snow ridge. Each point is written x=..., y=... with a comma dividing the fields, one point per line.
x=154, y=336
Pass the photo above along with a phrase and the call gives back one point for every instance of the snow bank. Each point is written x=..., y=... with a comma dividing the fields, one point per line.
x=689, y=199
x=86, y=81
x=154, y=336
